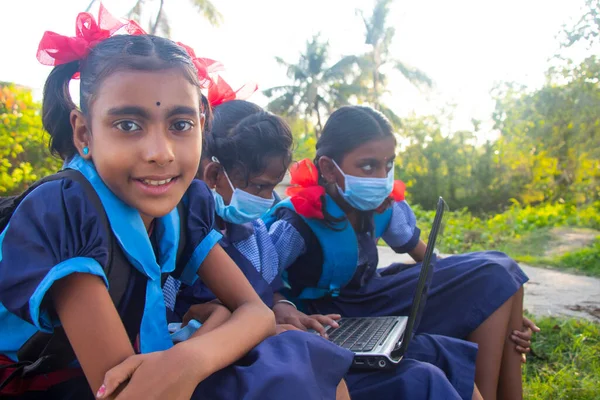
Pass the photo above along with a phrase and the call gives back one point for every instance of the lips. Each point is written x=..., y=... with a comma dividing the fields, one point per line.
x=155, y=185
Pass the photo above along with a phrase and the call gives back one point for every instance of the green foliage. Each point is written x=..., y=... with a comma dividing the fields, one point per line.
x=24, y=157
x=522, y=232
x=304, y=142
x=586, y=259
x=567, y=366
x=551, y=137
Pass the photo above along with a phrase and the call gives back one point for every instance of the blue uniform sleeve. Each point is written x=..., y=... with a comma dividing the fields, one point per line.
x=402, y=234
x=53, y=233
x=201, y=236
x=288, y=240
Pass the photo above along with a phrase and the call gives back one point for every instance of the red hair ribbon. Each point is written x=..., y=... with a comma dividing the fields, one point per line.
x=306, y=194
x=219, y=91
x=55, y=49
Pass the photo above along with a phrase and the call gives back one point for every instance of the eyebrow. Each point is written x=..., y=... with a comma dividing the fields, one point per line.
x=143, y=113
x=182, y=110
x=129, y=110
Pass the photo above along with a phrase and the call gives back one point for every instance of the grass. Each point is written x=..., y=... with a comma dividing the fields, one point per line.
x=567, y=361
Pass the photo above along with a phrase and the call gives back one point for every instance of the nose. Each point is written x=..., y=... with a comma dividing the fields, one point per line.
x=159, y=148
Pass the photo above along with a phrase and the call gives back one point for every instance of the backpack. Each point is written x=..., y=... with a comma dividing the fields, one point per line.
x=46, y=352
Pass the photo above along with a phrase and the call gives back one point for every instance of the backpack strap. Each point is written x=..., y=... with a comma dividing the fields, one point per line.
x=50, y=351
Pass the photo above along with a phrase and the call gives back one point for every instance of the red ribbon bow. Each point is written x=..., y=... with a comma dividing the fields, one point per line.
x=55, y=49
x=306, y=194
x=219, y=91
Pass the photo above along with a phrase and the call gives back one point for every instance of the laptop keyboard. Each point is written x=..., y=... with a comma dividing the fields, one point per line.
x=361, y=334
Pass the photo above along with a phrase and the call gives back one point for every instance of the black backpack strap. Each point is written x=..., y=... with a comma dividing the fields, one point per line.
x=52, y=351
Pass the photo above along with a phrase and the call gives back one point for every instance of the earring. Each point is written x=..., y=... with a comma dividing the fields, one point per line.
x=86, y=151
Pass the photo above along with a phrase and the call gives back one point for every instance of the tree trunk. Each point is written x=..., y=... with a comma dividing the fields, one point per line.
x=157, y=21
x=319, y=127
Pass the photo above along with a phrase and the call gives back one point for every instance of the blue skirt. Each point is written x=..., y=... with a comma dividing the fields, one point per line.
x=434, y=367
x=293, y=365
x=465, y=290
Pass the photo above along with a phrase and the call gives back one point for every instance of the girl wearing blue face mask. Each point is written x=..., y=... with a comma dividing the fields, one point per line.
x=341, y=205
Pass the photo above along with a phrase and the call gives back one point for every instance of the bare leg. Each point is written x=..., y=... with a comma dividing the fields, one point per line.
x=491, y=336
x=342, y=392
x=476, y=394
x=511, y=385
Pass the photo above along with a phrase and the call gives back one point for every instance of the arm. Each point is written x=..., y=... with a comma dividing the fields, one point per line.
x=418, y=253
x=98, y=338
x=177, y=371
x=224, y=344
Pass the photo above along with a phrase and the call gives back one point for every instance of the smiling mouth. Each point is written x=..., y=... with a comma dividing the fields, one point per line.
x=151, y=182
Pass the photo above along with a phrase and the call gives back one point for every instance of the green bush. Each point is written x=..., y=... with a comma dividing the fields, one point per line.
x=24, y=157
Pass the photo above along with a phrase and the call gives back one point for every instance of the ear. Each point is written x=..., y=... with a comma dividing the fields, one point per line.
x=212, y=170
x=329, y=172
x=81, y=133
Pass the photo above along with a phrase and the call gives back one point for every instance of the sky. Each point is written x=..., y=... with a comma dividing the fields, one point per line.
x=465, y=46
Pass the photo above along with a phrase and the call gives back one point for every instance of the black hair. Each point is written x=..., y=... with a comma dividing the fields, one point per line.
x=117, y=53
x=245, y=137
x=346, y=129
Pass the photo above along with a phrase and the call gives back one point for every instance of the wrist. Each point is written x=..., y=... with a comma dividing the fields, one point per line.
x=285, y=302
x=194, y=360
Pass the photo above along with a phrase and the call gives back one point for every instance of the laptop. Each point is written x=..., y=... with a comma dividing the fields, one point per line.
x=381, y=342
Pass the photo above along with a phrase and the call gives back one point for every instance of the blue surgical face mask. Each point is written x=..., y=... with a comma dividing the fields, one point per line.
x=243, y=207
x=366, y=194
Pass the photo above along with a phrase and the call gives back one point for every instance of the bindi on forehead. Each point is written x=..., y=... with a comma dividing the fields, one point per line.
x=158, y=104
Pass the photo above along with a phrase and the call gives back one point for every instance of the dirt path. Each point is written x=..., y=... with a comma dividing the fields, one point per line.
x=548, y=292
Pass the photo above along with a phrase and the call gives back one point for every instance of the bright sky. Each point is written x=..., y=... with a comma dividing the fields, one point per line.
x=464, y=45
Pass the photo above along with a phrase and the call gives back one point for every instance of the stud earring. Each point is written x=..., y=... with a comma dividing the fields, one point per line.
x=86, y=151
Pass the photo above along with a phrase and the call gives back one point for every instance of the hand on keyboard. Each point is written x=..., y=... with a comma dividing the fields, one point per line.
x=287, y=314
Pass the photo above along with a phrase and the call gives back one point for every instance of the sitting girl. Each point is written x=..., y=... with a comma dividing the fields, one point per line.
x=331, y=217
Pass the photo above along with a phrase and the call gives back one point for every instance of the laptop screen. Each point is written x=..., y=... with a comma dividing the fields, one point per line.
x=426, y=274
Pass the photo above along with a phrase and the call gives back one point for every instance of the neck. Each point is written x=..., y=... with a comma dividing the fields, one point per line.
x=148, y=222
x=351, y=213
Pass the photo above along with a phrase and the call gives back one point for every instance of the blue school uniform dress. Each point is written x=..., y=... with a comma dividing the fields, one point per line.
x=291, y=365
x=55, y=232
x=465, y=290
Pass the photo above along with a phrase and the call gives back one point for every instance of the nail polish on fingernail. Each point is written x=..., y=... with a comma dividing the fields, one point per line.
x=101, y=391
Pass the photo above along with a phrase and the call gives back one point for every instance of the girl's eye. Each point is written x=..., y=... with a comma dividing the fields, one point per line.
x=128, y=126
x=390, y=165
x=367, y=168
x=182, y=126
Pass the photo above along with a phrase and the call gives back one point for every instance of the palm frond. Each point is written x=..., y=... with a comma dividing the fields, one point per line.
x=341, y=69
x=209, y=11
x=414, y=75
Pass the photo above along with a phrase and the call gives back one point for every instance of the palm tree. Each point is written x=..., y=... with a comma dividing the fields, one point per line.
x=159, y=23
x=379, y=37
x=317, y=88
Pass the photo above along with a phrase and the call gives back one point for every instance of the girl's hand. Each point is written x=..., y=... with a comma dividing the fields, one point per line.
x=159, y=375
x=201, y=312
x=280, y=328
x=522, y=338
x=287, y=314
